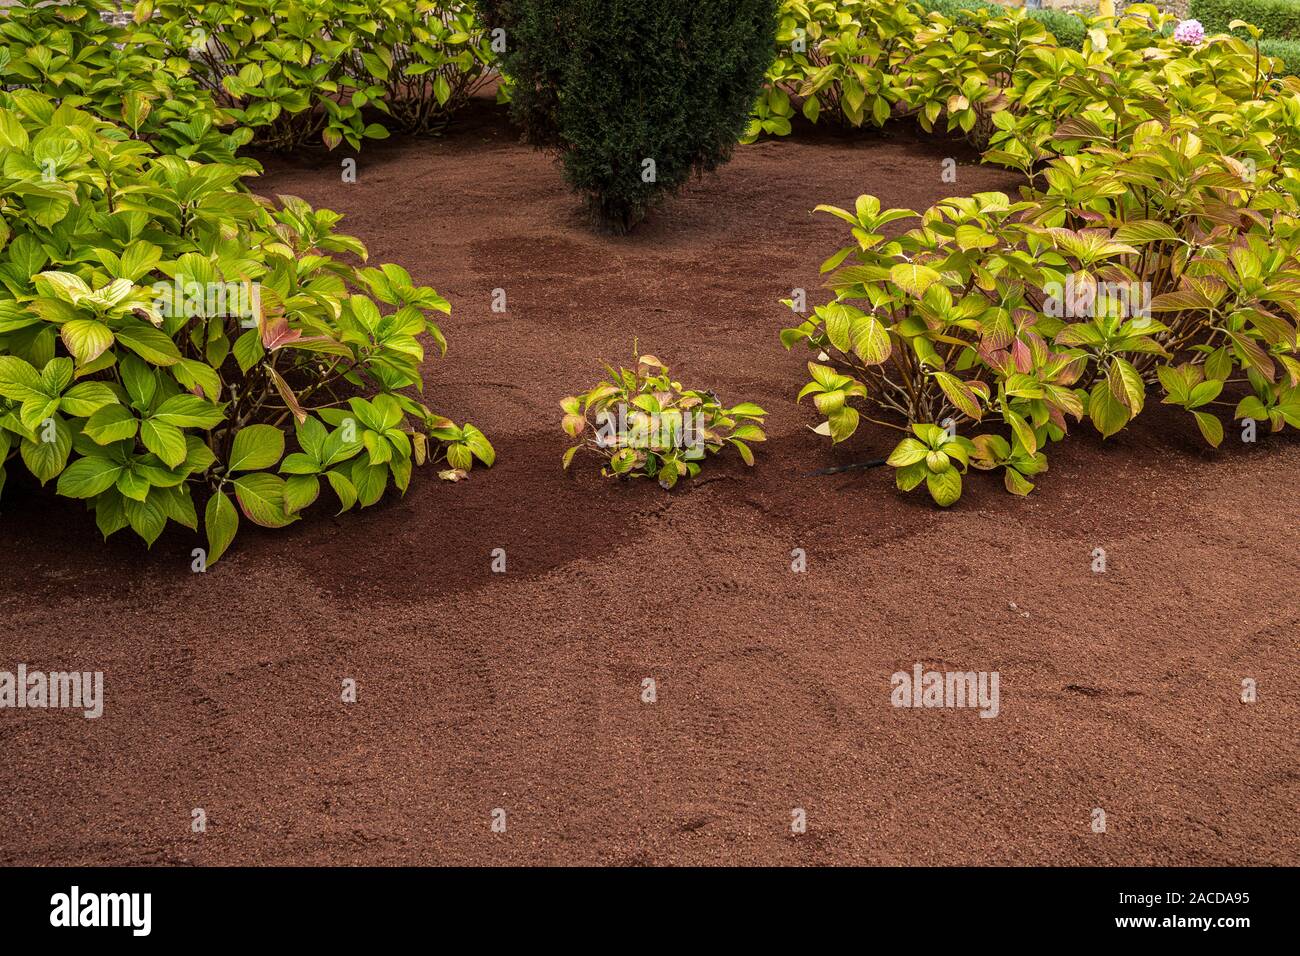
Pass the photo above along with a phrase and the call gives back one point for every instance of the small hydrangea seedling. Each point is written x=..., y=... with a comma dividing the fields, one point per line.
x=645, y=424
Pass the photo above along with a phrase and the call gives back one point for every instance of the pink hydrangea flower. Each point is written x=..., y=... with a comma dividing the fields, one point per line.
x=1190, y=32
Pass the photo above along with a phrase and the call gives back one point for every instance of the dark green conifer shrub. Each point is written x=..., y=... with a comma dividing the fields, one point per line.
x=634, y=96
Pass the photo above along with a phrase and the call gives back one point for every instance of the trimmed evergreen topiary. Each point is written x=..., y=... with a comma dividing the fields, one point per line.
x=636, y=96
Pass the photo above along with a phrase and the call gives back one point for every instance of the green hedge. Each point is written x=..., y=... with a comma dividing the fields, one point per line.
x=951, y=7
x=1279, y=19
x=1287, y=50
x=1067, y=28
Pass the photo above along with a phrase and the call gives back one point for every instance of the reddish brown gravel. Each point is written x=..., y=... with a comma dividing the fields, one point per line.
x=523, y=690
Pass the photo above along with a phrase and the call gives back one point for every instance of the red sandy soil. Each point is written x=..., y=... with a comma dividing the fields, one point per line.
x=523, y=690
